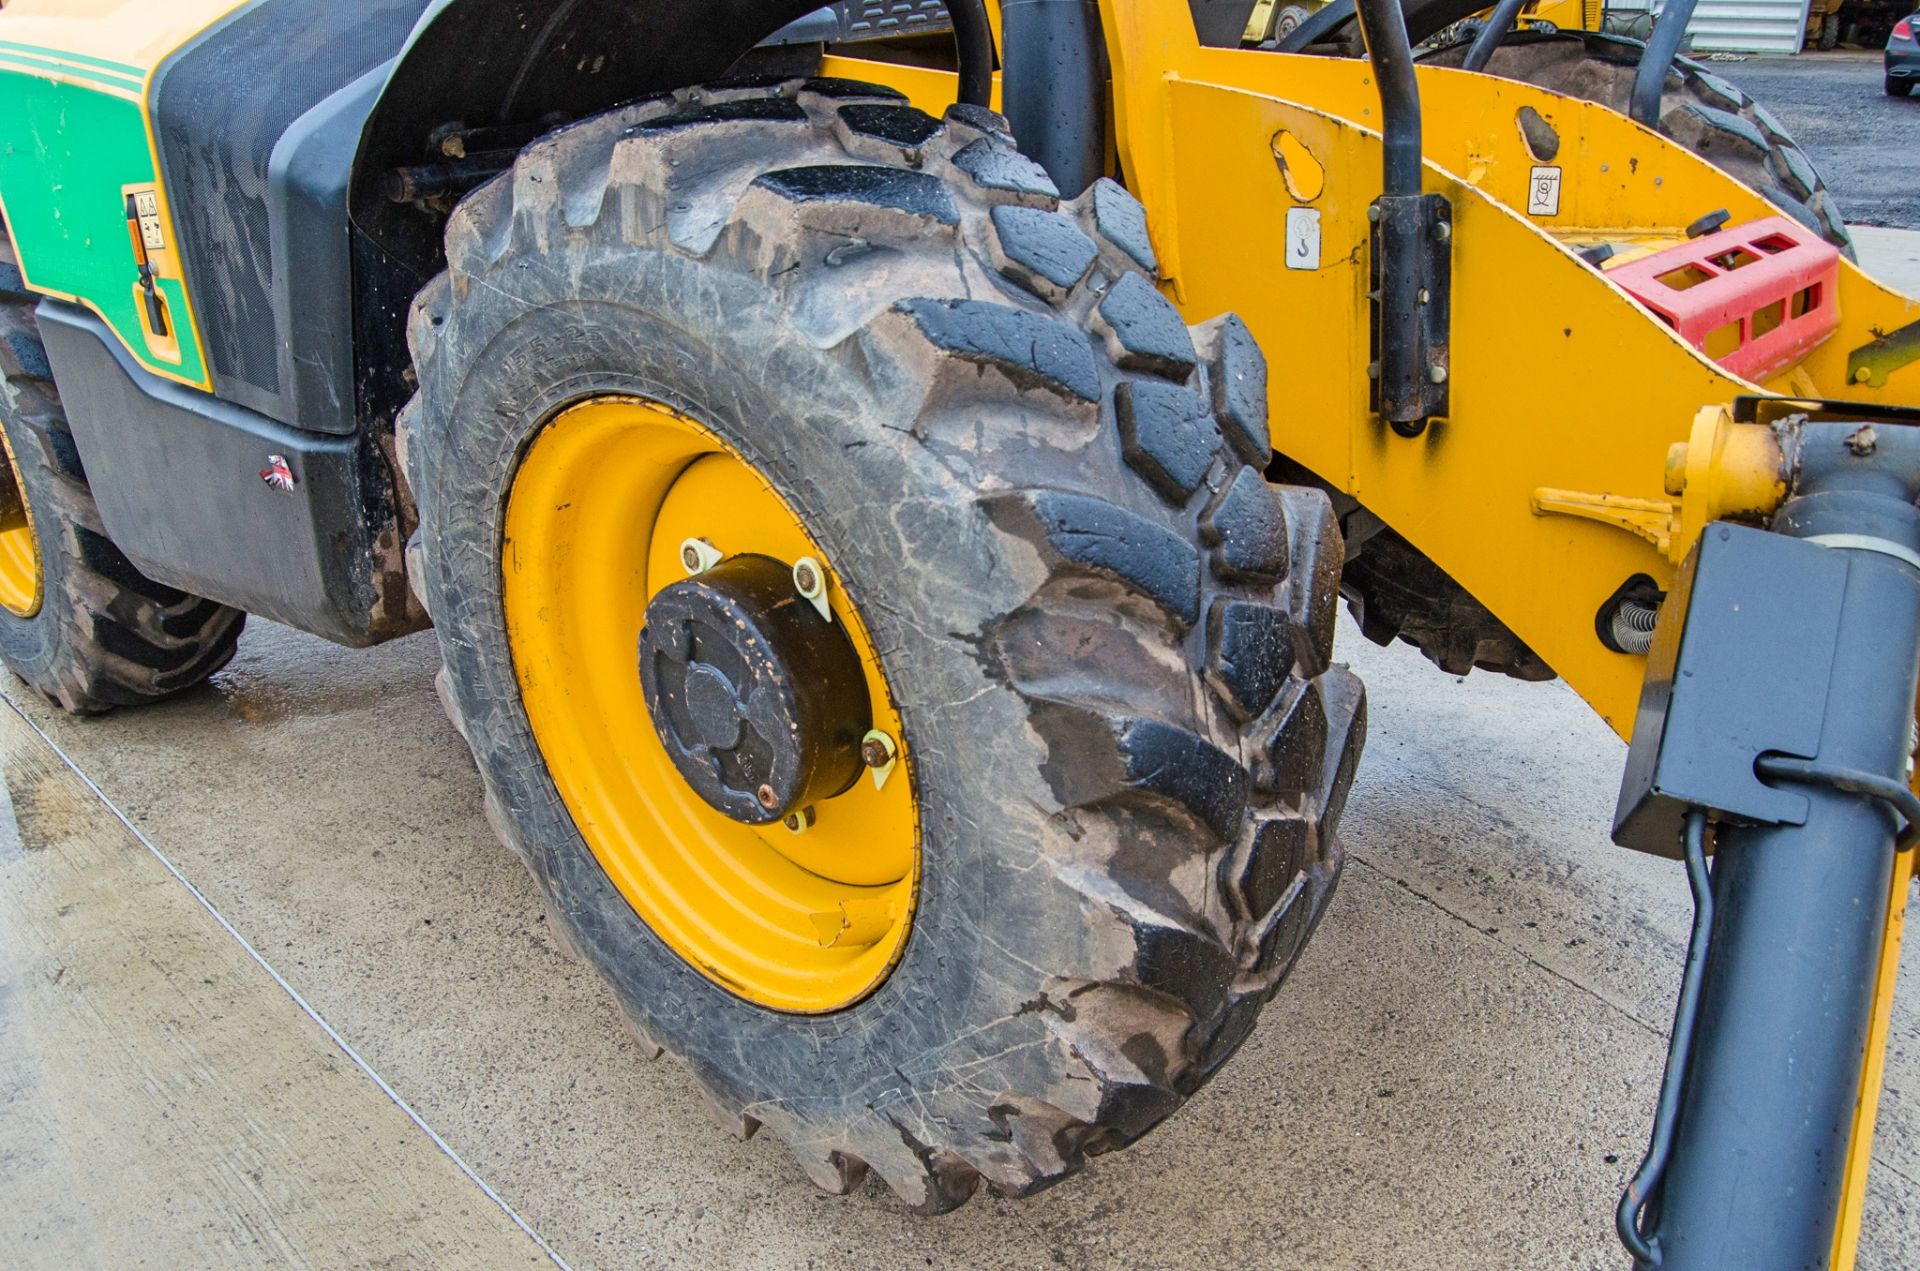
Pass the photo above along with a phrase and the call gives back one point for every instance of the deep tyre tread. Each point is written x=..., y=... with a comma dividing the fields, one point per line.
x=1101, y=622
x=106, y=635
x=1700, y=110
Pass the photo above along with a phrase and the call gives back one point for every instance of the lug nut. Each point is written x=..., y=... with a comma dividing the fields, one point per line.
x=698, y=555
x=768, y=799
x=1437, y=374
x=801, y=821
x=879, y=753
x=810, y=580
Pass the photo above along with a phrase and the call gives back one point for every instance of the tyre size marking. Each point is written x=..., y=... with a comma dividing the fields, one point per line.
x=1303, y=238
x=1543, y=192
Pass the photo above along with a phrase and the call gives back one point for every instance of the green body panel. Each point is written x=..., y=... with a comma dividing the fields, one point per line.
x=67, y=150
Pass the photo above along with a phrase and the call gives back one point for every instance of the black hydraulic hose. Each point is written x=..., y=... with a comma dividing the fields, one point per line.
x=1499, y=23
x=1646, y=1180
x=973, y=40
x=1054, y=87
x=1384, y=28
x=1650, y=79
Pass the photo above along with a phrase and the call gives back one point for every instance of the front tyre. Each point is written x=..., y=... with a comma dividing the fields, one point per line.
x=685, y=348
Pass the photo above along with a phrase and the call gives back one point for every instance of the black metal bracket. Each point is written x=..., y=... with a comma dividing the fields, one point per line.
x=1410, y=267
x=1410, y=287
x=1745, y=604
x=1899, y=799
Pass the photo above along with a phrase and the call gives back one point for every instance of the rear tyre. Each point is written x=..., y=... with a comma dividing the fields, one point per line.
x=1700, y=110
x=78, y=622
x=1290, y=18
x=1106, y=635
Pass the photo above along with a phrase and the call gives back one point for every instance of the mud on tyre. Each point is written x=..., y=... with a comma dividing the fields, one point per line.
x=1108, y=636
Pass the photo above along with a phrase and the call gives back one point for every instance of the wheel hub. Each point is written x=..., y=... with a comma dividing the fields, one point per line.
x=760, y=700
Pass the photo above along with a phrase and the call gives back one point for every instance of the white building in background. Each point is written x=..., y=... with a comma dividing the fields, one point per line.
x=1738, y=26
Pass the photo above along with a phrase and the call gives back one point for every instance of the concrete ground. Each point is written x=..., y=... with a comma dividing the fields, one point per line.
x=1460, y=1074
x=1860, y=139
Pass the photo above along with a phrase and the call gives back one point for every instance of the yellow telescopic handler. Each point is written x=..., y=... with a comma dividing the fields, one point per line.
x=887, y=589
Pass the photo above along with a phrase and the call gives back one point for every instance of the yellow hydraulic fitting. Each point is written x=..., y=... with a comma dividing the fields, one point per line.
x=1723, y=469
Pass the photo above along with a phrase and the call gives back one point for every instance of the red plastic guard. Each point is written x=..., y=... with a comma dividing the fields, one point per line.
x=1753, y=298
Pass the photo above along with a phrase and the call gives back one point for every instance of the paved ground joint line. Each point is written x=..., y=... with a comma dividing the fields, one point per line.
x=293, y=993
x=1653, y=1029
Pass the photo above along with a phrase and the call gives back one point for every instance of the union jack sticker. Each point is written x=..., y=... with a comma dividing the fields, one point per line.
x=277, y=474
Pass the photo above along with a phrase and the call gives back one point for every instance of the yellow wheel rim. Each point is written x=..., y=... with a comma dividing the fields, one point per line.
x=603, y=501
x=19, y=549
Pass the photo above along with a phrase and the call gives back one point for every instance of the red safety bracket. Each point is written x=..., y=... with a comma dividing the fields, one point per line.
x=1753, y=298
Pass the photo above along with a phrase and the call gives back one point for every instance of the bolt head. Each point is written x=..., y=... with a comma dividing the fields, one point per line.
x=698, y=555
x=875, y=753
x=1437, y=374
x=767, y=797
x=1442, y=231
x=1373, y=213
x=805, y=578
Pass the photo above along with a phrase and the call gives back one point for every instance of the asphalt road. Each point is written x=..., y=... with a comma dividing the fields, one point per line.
x=1864, y=143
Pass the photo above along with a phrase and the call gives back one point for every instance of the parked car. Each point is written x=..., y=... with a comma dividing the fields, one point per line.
x=1903, y=58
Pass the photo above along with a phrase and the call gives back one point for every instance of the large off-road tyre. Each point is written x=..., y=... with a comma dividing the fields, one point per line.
x=1396, y=593
x=1700, y=110
x=90, y=632
x=1107, y=636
